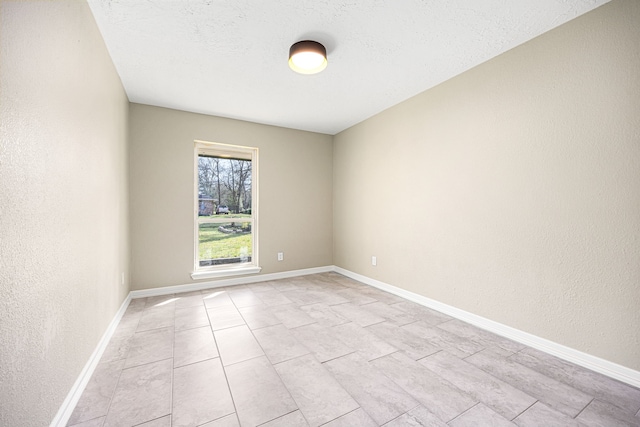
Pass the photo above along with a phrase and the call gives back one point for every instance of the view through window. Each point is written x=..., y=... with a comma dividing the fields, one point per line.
x=225, y=213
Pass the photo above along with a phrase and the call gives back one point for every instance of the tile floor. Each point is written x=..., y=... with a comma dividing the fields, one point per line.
x=324, y=350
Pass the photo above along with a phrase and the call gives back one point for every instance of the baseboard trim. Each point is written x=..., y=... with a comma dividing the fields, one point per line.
x=605, y=367
x=66, y=409
x=228, y=282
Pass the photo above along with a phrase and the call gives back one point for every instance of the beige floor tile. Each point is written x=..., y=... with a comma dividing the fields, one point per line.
x=228, y=421
x=157, y=317
x=603, y=388
x=402, y=339
x=322, y=342
x=553, y=393
x=258, y=401
x=503, y=346
x=357, y=418
x=390, y=314
x=189, y=299
x=279, y=344
x=346, y=334
x=599, y=413
x=97, y=395
x=357, y=314
x=293, y=419
x=368, y=345
x=191, y=317
x=445, y=340
x=160, y=301
x=216, y=298
x=96, y=422
x=273, y=298
x=380, y=397
x=503, y=398
x=258, y=316
x=143, y=394
x=150, y=346
x=439, y=396
x=117, y=349
x=158, y=422
x=244, y=298
x=480, y=415
x=224, y=316
x=200, y=394
x=323, y=314
x=541, y=415
x=292, y=316
x=237, y=344
x=422, y=313
x=418, y=416
x=194, y=345
x=316, y=392
x=355, y=297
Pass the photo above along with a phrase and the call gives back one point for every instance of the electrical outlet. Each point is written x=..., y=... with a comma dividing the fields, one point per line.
x=280, y=256
x=122, y=278
x=374, y=260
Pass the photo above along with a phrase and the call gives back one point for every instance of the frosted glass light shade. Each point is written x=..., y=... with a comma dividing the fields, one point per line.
x=307, y=57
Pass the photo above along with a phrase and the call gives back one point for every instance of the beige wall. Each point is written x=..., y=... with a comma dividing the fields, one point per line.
x=63, y=202
x=513, y=190
x=295, y=184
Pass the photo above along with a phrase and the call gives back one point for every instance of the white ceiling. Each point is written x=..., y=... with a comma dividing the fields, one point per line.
x=229, y=57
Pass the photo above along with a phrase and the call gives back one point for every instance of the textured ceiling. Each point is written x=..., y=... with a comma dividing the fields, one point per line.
x=229, y=57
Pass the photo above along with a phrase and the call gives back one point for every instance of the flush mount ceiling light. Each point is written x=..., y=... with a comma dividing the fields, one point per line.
x=307, y=57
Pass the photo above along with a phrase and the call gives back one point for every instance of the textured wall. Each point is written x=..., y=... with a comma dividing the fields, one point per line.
x=513, y=190
x=63, y=202
x=295, y=172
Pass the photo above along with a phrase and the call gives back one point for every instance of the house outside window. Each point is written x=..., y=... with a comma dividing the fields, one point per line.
x=225, y=210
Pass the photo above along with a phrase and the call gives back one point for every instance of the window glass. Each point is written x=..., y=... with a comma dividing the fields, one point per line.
x=225, y=225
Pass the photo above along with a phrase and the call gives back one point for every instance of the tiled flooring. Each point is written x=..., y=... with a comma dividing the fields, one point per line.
x=324, y=350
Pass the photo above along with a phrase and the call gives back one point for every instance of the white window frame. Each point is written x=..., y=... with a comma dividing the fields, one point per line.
x=236, y=151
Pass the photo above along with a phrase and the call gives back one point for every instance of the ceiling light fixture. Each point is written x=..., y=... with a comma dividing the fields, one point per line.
x=307, y=57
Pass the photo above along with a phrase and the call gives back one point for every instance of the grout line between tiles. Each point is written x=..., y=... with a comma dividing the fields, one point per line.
x=479, y=351
x=329, y=360
x=224, y=371
x=148, y=363
x=344, y=415
x=429, y=355
x=199, y=361
x=283, y=415
x=525, y=410
x=582, y=410
x=384, y=355
x=148, y=421
x=113, y=393
x=463, y=412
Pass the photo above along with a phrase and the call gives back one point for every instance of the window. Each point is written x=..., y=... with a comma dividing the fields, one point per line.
x=225, y=210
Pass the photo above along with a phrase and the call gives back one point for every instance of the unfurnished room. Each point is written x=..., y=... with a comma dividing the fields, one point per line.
x=319, y=213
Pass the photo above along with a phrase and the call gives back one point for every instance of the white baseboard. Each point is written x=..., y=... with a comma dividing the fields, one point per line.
x=227, y=282
x=66, y=409
x=585, y=360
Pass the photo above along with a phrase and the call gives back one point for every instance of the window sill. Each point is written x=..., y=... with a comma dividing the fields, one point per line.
x=211, y=274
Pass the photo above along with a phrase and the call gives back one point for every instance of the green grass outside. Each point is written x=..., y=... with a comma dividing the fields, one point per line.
x=214, y=244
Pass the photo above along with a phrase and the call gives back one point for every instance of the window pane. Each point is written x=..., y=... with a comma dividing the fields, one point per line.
x=224, y=186
x=224, y=206
x=227, y=243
